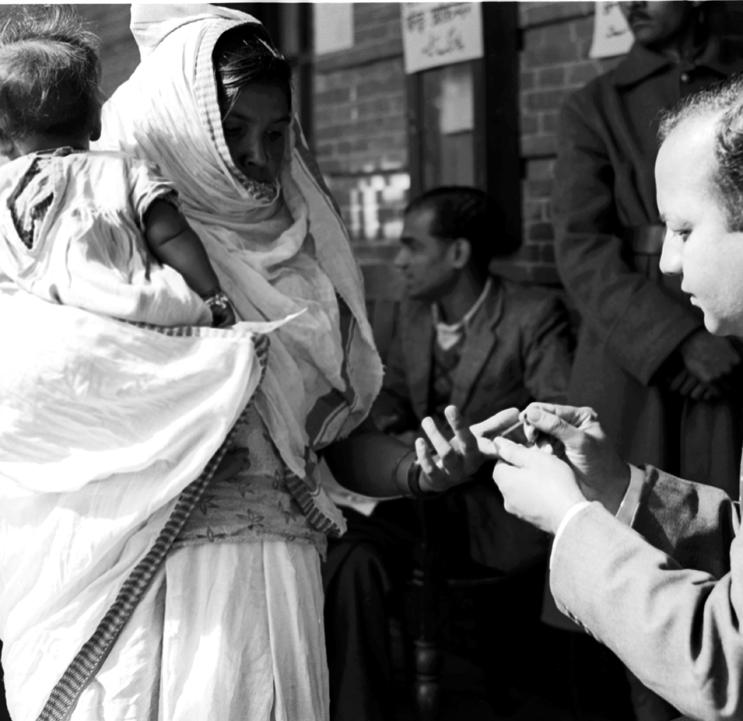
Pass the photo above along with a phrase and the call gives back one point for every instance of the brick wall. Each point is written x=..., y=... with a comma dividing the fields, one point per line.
x=361, y=129
x=360, y=136
x=119, y=54
x=556, y=37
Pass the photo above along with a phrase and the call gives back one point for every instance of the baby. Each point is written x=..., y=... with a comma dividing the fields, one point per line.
x=96, y=230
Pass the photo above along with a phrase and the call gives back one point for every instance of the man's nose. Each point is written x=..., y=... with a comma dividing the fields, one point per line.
x=401, y=259
x=671, y=255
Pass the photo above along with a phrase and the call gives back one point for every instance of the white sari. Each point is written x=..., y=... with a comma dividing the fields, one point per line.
x=223, y=631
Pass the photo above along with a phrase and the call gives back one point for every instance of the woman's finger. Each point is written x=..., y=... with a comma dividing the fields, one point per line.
x=425, y=459
x=441, y=445
x=493, y=426
x=462, y=432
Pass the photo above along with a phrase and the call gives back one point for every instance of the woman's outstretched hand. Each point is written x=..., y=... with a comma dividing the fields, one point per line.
x=458, y=458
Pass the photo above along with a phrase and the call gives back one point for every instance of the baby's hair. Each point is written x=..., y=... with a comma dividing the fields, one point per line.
x=49, y=73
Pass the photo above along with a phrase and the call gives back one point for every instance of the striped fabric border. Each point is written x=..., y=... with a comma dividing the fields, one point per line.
x=327, y=408
x=315, y=516
x=95, y=650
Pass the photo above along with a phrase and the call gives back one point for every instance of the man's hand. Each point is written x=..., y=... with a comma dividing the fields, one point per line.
x=687, y=384
x=458, y=458
x=708, y=361
x=599, y=471
x=536, y=486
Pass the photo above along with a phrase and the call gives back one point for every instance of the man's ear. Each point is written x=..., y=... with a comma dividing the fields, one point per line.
x=461, y=252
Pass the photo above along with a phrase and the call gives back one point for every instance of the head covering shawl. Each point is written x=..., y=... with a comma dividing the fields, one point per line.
x=276, y=255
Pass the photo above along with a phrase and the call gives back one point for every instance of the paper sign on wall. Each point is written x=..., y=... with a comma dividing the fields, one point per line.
x=333, y=25
x=611, y=33
x=436, y=34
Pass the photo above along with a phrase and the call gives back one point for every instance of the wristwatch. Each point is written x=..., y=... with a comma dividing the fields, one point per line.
x=220, y=306
x=412, y=480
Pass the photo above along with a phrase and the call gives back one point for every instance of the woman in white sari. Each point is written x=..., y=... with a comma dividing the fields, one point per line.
x=162, y=535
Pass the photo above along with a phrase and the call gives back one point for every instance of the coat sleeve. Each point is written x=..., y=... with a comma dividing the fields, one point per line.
x=547, y=349
x=670, y=612
x=639, y=323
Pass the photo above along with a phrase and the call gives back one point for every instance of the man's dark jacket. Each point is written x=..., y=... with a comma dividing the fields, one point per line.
x=517, y=349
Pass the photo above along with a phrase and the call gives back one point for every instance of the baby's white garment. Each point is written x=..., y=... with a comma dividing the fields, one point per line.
x=71, y=232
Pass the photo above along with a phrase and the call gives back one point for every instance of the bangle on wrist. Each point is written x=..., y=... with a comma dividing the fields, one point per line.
x=414, y=483
x=402, y=472
x=408, y=478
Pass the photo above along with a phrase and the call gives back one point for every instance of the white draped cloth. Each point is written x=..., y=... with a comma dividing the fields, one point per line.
x=103, y=424
x=273, y=257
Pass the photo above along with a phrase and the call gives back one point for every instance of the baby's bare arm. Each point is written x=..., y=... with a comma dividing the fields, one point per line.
x=174, y=243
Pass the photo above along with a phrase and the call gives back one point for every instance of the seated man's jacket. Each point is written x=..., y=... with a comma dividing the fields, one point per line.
x=517, y=348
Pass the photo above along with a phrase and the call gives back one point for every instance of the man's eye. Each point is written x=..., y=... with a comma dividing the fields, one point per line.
x=683, y=234
x=275, y=135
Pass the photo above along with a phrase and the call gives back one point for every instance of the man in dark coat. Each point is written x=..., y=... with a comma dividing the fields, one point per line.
x=644, y=360
x=667, y=391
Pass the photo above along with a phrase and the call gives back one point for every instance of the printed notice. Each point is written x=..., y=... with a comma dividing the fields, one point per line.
x=436, y=34
x=611, y=34
x=333, y=25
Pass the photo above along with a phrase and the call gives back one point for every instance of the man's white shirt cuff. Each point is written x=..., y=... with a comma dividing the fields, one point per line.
x=625, y=514
x=631, y=500
x=573, y=511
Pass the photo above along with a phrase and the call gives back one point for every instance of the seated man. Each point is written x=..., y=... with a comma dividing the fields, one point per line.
x=666, y=597
x=482, y=343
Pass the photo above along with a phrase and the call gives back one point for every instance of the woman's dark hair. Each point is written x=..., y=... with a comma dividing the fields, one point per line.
x=49, y=72
x=470, y=213
x=244, y=55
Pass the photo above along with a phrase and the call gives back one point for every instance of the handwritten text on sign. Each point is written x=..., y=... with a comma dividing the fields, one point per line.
x=611, y=34
x=437, y=34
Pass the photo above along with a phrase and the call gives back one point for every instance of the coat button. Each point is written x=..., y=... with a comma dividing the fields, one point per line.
x=684, y=77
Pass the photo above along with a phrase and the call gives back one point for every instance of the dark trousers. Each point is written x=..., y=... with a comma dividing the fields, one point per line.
x=362, y=579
